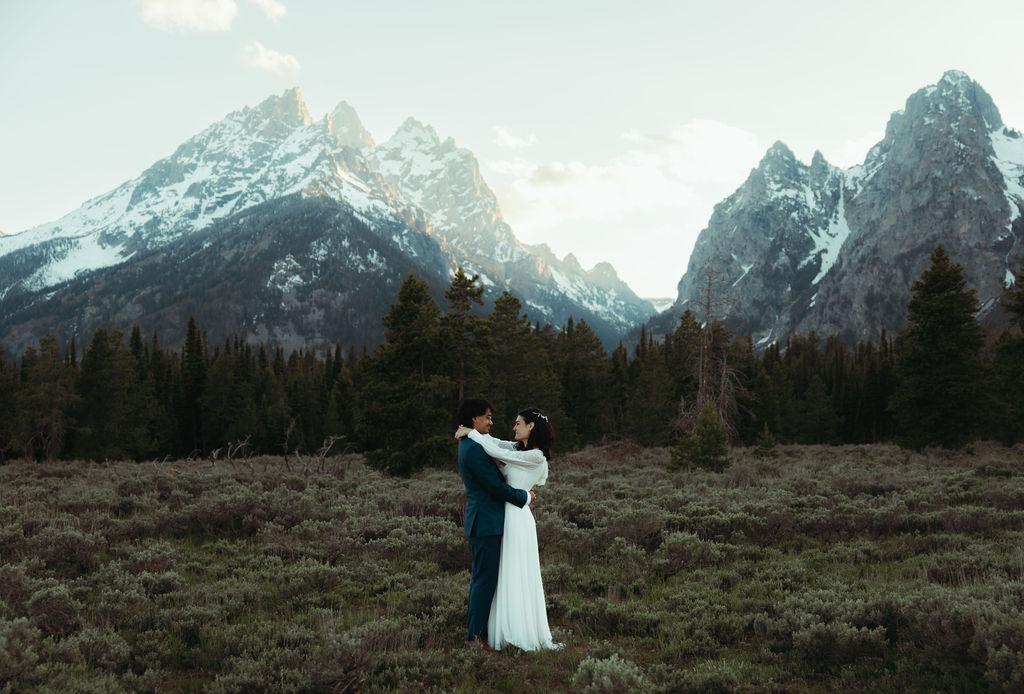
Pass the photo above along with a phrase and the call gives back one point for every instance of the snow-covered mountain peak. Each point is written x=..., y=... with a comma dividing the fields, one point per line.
x=412, y=134
x=571, y=261
x=346, y=126
x=833, y=251
x=603, y=274
x=780, y=150
x=414, y=201
x=289, y=108
x=779, y=170
x=955, y=77
x=778, y=160
x=955, y=97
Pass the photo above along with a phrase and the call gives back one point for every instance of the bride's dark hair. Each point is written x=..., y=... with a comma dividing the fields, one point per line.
x=542, y=434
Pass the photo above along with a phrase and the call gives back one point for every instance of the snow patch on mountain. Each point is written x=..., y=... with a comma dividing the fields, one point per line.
x=285, y=275
x=85, y=252
x=1008, y=156
x=828, y=242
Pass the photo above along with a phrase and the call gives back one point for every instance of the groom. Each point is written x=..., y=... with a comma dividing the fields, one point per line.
x=486, y=494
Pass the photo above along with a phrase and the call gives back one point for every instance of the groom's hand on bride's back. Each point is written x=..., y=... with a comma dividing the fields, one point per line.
x=533, y=496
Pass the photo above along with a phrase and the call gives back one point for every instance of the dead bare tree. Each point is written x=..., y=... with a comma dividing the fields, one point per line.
x=717, y=382
x=241, y=446
x=287, y=444
x=321, y=454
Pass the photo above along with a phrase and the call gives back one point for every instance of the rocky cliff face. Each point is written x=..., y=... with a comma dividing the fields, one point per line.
x=804, y=248
x=310, y=204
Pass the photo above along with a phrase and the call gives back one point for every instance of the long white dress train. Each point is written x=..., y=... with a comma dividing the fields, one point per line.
x=518, y=613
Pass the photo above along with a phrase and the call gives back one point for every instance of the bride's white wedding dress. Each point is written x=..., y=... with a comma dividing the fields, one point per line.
x=518, y=613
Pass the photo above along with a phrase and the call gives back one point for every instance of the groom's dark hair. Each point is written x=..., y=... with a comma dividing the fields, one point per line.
x=473, y=407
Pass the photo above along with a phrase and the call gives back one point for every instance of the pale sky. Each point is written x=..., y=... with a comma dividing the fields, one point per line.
x=607, y=129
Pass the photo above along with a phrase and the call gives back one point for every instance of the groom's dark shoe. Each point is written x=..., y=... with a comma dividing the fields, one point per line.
x=483, y=644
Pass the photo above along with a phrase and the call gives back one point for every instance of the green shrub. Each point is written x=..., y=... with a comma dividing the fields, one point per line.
x=706, y=445
x=67, y=550
x=838, y=642
x=683, y=550
x=99, y=649
x=19, y=641
x=1004, y=669
x=609, y=676
x=54, y=610
x=766, y=446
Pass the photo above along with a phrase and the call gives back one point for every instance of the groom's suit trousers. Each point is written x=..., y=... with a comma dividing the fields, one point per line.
x=486, y=556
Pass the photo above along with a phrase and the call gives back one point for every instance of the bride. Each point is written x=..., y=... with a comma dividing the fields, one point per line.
x=518, y=612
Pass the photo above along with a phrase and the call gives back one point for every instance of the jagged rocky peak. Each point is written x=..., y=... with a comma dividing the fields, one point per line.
x=289, y=108
x=572, y=263
x=779, y=162
x=819, y=163
x=818, y=248
x=603, y=275
x=346, y=126
x=416, y=134
x=955, y=102
x=958, y=87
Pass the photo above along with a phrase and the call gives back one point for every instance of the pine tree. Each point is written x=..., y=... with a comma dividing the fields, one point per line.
x=273, y=415
x=46, y=398
x=339, y=420
x=938, y=368
x=406, y=404
x=651, y=407
x=193, y=373
x=1008, y=367
x=519, y=369
x=8, y=405
x=462, y=332
x=817, y=420
x=682, y=348
x=227, y=401
x=307, y=399
x=168, y=390
x=101, y=385
x=585, y=379
x=618, y=390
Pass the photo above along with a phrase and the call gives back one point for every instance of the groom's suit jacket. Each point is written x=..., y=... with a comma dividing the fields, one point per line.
x=486, y=491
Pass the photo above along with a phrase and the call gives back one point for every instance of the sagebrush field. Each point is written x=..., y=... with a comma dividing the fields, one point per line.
x=842, y=569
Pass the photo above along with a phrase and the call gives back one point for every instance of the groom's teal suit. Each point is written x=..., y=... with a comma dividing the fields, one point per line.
x=486, y=494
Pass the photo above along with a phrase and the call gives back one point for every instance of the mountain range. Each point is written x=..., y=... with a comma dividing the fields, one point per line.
x=800, y=248
x=296, y=232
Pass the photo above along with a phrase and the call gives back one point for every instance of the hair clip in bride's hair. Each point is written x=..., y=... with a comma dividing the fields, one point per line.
x=540, y=415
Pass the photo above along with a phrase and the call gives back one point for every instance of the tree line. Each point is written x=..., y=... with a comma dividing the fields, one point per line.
x=939, y=382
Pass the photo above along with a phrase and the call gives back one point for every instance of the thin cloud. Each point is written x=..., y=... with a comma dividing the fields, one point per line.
x=655, y=192
x=503, y=138
x=270, y=62
x=271, y=8
x=513, y=168
x=188, y=15
x=656, y=171
x=853, y=152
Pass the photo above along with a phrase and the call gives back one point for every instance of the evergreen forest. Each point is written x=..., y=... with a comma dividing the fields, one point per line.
x=943, y=381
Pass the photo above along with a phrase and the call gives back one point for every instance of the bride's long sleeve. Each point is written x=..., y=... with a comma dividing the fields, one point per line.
x=506, y=452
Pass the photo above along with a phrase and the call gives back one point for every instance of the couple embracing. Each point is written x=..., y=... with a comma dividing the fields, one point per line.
x=506, y=595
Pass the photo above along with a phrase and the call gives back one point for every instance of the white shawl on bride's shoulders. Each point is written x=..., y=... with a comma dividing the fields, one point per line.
x=506, y=452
